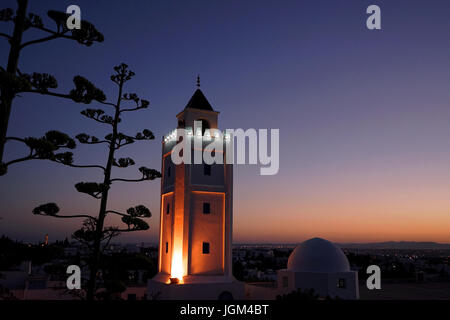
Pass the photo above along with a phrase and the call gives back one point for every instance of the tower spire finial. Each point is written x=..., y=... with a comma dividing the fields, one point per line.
x=198, y=81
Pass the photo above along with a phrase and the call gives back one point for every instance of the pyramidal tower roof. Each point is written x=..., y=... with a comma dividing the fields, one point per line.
x=199, y=101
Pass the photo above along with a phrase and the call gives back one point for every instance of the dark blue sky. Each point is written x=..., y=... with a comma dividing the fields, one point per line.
x=364, y=116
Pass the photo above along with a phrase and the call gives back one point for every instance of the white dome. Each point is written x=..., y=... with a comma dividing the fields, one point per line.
x=318, y=255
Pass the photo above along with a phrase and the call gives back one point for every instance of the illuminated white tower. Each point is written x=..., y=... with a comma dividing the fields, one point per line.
x=195, y=244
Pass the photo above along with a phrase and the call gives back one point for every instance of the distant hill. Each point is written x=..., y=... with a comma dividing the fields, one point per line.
x=397, y=245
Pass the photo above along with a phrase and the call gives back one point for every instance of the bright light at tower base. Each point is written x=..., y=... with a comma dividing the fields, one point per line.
x=177, y=267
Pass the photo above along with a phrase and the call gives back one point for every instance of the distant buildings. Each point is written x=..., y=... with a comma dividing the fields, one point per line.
x=26, y=284
x=47, y=281
x=406, y=274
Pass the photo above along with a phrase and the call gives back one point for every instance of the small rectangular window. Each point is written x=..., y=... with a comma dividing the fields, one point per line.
x=206, y=207
x=167, y=247
x=168, y=208
x=205, y=247
x=341, y=283
x=168, y=172
x=207, y=169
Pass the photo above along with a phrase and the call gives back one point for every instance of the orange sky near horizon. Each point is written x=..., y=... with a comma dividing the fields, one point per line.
x=349, y=205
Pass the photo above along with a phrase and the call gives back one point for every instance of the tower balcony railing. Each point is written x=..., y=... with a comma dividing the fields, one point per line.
x=208, y=135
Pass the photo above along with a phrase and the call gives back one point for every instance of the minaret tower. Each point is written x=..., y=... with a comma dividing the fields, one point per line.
x=195, y=244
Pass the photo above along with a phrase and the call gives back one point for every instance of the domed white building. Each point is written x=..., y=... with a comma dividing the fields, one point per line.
x=314, y=264
x=320, y=265
x=318, y=255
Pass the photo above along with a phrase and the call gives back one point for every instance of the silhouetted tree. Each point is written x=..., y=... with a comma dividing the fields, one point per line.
x=93, y=233
x=14, y=82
